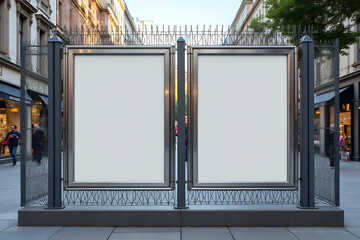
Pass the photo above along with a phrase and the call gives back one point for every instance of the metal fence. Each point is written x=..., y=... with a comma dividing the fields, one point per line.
x=326, y=123
x=34, y=190
x=193, y=35
x=34, y=122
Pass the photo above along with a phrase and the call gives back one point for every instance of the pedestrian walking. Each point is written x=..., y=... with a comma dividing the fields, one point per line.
x=37, y=143
x=13, y=138
x=331, y=146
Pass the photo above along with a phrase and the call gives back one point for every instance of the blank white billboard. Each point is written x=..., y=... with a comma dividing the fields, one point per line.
x=118, y=103
x=242, y=119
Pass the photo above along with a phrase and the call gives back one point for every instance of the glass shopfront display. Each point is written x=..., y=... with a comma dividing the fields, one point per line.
x=345, y=130
x=9, y=115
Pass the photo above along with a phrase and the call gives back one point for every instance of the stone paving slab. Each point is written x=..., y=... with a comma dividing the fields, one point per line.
x=5, y=224
x=33, y=229
x=146, y=229
x=258, y=229
x=9, y=215
x=354, y=230
x=268, y=235
x=208, y=235
x=352, y=222
x=205, y=229
x=146, y=236
x=24, y=236
x=78, y=233
x=325, y=235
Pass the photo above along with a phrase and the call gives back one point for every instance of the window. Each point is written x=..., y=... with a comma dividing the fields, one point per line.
x=25, y=13
x=20, y=34
x=44, y=6
x=60, y=14
x=4, y=27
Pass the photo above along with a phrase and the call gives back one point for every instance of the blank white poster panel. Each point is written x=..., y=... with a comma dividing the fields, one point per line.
x=119, y=119
x=242, y=119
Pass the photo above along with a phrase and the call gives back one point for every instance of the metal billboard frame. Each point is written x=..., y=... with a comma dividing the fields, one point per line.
x=169, y=113
x=292, y=122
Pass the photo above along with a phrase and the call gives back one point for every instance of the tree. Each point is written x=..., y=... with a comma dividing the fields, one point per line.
x=328, y=18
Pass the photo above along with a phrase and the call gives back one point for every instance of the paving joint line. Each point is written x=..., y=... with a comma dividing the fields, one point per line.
x=351, y=233
x=230, y=233
x=55, y=233
x=292, y=233
x=8, y=227
x=110, y=233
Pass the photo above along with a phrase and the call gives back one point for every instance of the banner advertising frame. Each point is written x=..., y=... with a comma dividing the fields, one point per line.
x=194, y=52
x=167, y=52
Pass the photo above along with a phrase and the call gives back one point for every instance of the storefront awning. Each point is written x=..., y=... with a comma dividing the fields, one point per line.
x=13, y=93
x=326, y=96
x=45, y=99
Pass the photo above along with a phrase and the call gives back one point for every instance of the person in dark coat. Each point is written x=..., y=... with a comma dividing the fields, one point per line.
x=331, y=147
x=13, y=137
x=37, y=143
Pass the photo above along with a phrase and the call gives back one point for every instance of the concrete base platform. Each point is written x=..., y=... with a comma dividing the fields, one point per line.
x=209, y=216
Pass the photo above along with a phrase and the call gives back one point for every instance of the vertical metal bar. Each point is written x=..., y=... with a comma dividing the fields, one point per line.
x=181, y=201
x=307, y=190
x=54, y=59
x=336, y=54
x=23, y=125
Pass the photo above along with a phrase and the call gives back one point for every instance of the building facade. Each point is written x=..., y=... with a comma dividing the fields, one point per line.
x=349, y=85
x=110, y=16
x=33, y=21
x=144, y=25
x=22, y=21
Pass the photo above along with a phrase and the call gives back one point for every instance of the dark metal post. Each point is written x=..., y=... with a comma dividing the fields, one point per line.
x=307, y=191
x=55, y=123
x=181, y=202
x=23, y=124
x=336, y=55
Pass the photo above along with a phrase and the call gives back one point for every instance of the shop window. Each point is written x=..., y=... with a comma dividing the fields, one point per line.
x=4, y=27
x=9, y=115
x=345, y=130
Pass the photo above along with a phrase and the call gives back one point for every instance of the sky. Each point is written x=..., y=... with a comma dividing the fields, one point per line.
x=185, y=12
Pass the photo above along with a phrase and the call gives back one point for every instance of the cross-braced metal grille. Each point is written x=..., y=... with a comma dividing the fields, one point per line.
x=123, y=198
x=242, y=197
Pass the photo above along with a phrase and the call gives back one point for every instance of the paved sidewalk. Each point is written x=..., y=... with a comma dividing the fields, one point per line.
x=10, y=201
